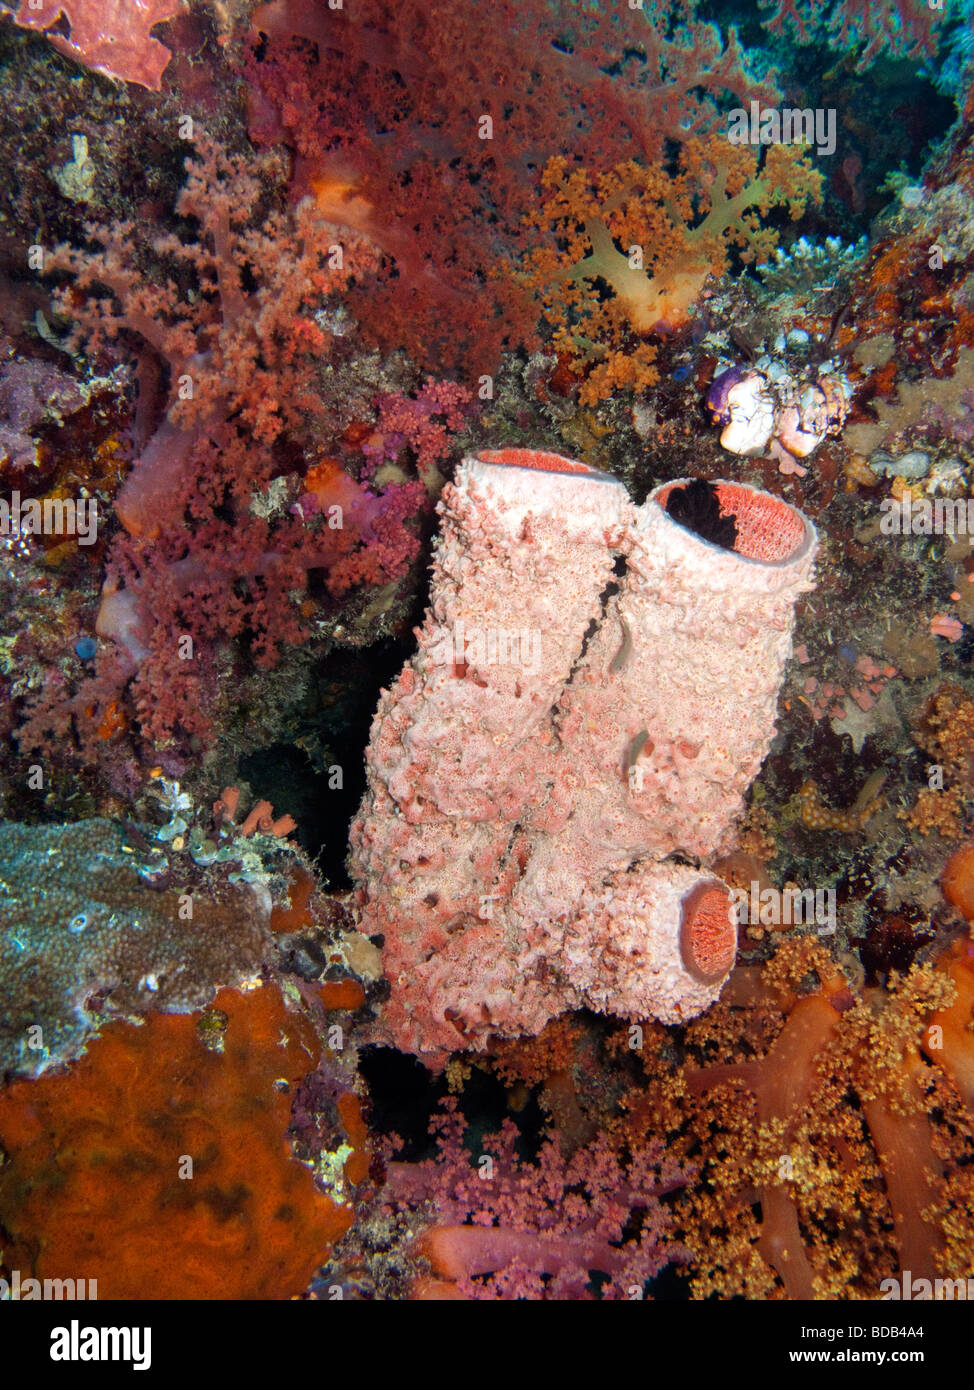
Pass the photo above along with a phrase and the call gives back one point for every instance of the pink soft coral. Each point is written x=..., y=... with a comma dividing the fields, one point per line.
x=424, y=423
x=551, y=1229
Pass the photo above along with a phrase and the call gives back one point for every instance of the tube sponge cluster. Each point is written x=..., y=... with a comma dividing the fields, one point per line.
x=594, y=689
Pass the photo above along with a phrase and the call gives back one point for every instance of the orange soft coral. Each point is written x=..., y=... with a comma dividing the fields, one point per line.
x=653, y=239
x=159, y=1165
x=948, y=1040
x=782, y=1083
x=841, y=1139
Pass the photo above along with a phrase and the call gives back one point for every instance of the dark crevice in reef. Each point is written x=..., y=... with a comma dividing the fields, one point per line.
x=318, y=777
x=404, y=1097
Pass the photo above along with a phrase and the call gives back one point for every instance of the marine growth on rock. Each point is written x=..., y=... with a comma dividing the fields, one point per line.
x=487, y=669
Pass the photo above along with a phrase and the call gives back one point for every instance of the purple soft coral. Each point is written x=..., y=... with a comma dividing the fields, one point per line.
x=553, y=1229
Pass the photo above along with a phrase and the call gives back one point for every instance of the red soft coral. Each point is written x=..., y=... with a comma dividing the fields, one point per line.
x=509, y=1229
x=216, y=561
x=425, y=125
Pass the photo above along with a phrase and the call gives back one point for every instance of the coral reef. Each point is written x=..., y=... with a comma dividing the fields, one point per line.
x=817, y=1136
x=95, y=923
x=947, y=400
x=31, y=393
x=763, y=408
x=423, y=125
x=507, y=1229
x=807, y=263
x=674, y=231
x=908, y=27
x=646, y=970
x=854, y=1143
x=218, y=547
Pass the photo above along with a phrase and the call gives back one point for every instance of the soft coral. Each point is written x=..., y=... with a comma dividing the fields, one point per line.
x=628, y=253
x=236, y=319
x=426, y=126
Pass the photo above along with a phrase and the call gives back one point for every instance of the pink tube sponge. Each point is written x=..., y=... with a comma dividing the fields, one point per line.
x=594, y=689
x=672, y=709
x=667, y=938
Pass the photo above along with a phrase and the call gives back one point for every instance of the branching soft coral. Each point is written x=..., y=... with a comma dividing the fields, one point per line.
x=424, y=124
x=818, y=1139
x=509, y=1229
x=851, y=1143
x=886, y=28
x=230, y=327
x=631, y=250
x=241, y=361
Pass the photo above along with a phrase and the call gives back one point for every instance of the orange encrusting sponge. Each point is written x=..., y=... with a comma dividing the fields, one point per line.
x=160, y=1166
x=957, y=881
